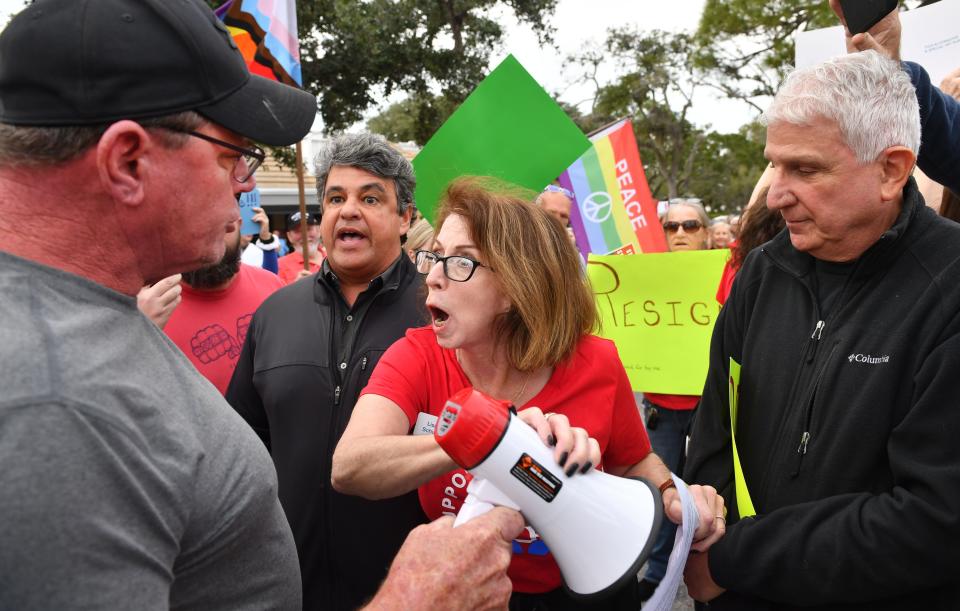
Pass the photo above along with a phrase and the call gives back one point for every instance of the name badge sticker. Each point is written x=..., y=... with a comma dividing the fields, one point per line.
x=425, y=424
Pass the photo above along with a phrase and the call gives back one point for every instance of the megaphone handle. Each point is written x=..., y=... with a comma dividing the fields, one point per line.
x=471, y=508
x=482, y=496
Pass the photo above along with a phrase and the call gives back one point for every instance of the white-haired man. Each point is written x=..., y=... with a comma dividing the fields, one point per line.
x=847, y=336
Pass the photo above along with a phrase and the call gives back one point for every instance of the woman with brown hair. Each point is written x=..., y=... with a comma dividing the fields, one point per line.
x=512, y=316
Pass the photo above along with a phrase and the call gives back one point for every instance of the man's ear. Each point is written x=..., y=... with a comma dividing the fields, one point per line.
x=120, y=161
x=405, y=219
x=897, y=166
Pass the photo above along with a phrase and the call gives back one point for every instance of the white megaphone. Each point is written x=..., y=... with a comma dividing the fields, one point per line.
x=600, y=528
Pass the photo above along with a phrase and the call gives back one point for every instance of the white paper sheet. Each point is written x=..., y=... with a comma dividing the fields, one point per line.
x=666, y=592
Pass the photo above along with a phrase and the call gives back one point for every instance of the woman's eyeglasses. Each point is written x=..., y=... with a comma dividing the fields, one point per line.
x=455, y=267
x=688, y=226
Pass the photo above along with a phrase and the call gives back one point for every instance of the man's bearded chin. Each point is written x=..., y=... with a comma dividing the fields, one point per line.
x=212, y=276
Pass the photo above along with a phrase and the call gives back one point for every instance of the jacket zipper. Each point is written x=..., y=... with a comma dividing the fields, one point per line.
x=818, y=330
x=841, y=302
x=815, y=337
x=768, y=485
x=805, y=436
x=334, y=593
x=811, y=350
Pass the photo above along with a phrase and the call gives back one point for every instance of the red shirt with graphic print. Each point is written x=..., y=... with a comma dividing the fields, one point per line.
x=210, y=326
x=590, y=388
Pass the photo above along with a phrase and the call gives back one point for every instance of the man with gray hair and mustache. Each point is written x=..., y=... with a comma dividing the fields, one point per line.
x=309, y=351
x=128, y=482
x=833, y=367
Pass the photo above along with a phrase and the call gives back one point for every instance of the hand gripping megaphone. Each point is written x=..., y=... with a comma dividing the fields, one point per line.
x=599, y=527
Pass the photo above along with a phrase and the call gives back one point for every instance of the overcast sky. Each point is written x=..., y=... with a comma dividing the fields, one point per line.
x=577, y=23
x=8, y=7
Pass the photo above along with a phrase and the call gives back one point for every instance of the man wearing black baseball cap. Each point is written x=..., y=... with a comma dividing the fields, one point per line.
x=127, y=481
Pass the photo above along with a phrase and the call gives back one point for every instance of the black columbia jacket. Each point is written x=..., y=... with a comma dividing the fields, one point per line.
x=289, y=386
x=848, y=427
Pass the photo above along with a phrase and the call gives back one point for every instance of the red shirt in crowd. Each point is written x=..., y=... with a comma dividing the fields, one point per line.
x=678, y=402
x=726, y=281
x=591, y=389
x=210, y=326
x=290, y=265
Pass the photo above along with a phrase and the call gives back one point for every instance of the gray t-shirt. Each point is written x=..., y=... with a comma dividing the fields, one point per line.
x=126, y=481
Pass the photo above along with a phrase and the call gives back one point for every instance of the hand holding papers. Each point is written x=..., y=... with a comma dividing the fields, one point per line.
x=666, y=592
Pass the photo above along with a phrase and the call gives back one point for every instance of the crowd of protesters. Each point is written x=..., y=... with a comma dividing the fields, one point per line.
x=193, y=420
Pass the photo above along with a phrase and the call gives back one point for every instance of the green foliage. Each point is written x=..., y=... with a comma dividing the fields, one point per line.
x=656, y=90
x=354, y=54
x=727, y=169
x=414, y=119
x=746, y=47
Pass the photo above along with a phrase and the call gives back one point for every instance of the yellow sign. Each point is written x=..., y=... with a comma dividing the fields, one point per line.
x=659, y=309
x=744, y=502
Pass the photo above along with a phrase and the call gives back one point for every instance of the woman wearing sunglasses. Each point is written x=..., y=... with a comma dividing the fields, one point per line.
x=686, y=225
x=668, y=417
x=511, y=316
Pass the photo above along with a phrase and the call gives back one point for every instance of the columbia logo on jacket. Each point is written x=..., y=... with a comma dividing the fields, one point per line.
x=866, y=358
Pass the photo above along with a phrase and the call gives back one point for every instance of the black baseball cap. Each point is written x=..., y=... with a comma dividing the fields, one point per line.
x=293, y=219
x=86, y=62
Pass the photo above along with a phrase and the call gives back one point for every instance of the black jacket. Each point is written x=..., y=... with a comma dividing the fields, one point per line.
x=288, y=388
x=868, y=516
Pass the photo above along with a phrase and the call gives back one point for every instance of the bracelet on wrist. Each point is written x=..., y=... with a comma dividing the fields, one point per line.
x=667, y=485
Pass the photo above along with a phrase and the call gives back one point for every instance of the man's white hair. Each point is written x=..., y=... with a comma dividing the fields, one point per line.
x=867, y=95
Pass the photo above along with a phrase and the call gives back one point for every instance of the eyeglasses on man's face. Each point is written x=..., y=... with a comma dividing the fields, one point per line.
x=688, y=226
x=455, y=267
x=247, y=163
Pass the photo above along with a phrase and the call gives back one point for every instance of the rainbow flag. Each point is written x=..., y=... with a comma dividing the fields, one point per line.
x=614, y=211
x=266, y=33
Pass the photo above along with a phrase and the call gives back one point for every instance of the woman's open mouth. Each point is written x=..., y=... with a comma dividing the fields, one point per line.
x=439, y=316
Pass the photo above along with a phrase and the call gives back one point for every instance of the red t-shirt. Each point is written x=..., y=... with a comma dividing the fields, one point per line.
x=290, y=265
x=591, y=389
x=210, y=326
